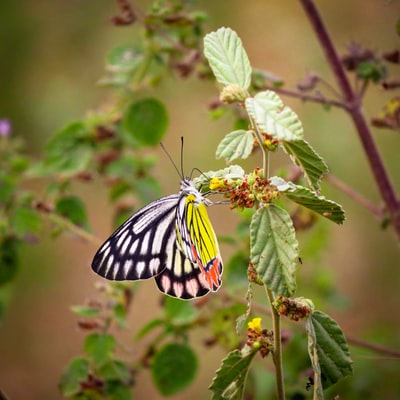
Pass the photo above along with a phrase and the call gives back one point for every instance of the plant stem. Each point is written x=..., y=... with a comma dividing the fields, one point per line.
x=66, y=224
x=277, y=352
x=374, y=209
x=307, y=97
x=265, y=152
x=3, y=396
x=354, y=108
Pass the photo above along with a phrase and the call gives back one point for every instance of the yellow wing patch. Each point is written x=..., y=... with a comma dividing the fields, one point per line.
x=204, y=246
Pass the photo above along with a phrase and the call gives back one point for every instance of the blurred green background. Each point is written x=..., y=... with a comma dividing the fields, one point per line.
x=52, y=53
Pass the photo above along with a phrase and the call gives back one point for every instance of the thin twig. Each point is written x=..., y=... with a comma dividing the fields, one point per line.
x=373, y=347
x=373, y=208
x=307, y=97
x=331, y=88
x=76, y=230
x=3, y=395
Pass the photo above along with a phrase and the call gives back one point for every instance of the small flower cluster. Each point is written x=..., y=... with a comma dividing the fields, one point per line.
x=258, y=338
x=253, y=276
x=270, y=143
x=247, y=191
x=295, y=309
x=233, y=93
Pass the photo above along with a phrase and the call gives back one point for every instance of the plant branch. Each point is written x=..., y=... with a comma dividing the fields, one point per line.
x=373, y=347
x=277, y=352
x=76, y=230
x=373, y=208
x=307, y=97
x=3, y=396
x=354, y=108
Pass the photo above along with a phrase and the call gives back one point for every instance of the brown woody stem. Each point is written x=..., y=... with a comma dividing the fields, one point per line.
x=354, y=108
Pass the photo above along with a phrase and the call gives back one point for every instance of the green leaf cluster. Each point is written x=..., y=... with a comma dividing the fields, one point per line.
x=274, y=250
x=328, y=350
x=173, y=368
x=20, y=221
x=230, y=379
x=173, y=364
x=100, y=373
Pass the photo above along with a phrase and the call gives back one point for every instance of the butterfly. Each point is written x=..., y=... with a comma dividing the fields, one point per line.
x=170, y=239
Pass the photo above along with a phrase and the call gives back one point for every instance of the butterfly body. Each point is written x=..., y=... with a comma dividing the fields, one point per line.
x=170, y=239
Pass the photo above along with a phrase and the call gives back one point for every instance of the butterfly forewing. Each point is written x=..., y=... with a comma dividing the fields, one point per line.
x=138, y=249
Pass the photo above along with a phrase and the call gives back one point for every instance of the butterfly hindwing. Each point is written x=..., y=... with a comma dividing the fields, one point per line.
x=181, y=278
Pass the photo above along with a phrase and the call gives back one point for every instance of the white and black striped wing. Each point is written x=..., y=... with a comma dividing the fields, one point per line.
x=140, y=248
x=182, y=278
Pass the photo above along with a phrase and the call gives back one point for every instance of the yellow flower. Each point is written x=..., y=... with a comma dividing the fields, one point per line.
x=255, y=324
x=215, y=183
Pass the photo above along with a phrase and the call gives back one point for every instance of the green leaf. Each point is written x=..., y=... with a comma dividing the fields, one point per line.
x=119, y=189
x=9, y=247
x=272, y=118
x=19, y=163
x=372, y=70
x=305, y=157
x=173, y=368
x=261, y=78
x=116, y=390
x=274, y=249
x=85, y=311
x=123, y=58
x=72, y=377
x=154, y=323
x=147, y=189
x=115, y=370
x=224, y=323
x=120, y=315
x=73, y=208
x=227, y=57
x=122, y=214
x=6, y=295
x=236, y=144
x=179, y=312
x=309, y=199
x=25, y=221
x=328, y=350
x=232, y=172
x=124, y=168
x=146, y=121
x=7, y=188
x=236, y=270
x=230, y=378
x=99, y=347
x=68, y=152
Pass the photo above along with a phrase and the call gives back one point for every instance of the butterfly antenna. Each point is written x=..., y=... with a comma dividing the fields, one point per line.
x=180, y=173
